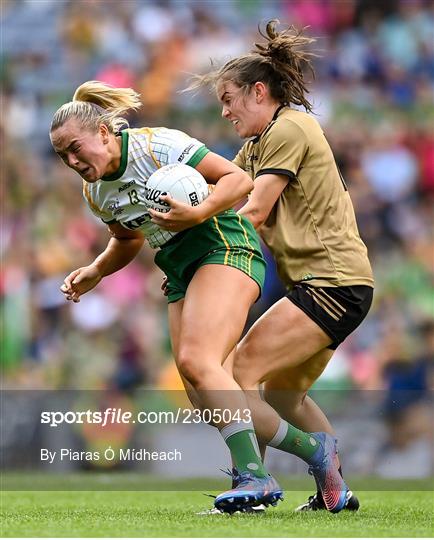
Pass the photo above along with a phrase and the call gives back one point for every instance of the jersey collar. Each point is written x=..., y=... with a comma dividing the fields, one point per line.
x=275, y=115
x=124, y=159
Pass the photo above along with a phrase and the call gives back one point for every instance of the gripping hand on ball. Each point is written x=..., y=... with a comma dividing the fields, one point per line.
x=181, y=216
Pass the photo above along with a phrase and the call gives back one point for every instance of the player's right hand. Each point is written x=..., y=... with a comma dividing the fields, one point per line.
x=80, y=281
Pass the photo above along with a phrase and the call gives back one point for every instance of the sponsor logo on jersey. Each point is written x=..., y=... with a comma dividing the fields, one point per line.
x=250, y=162
x=185, y=152
x=126, y=186
x=136, y=222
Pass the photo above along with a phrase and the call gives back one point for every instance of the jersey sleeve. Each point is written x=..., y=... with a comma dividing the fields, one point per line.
x=240, y=158
x=94, y=208
x=173, y=146
x=284, y=149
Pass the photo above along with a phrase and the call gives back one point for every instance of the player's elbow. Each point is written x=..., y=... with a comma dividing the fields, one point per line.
x=255, y=216
x=246, y=184
x=130, y=245
x=258, y=221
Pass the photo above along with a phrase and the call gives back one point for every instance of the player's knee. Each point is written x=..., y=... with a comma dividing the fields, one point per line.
x=291, y=398
x=243, y=369
x=189, y=369
x=243, y=376
x=192, y=366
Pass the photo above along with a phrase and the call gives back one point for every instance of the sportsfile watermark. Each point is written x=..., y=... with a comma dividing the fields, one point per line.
x=112, y=415
x=157, y=440
x=110, y=454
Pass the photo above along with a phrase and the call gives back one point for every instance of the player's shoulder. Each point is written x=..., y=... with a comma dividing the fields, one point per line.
x=93, y=190
x=293, y=123
x=151, y=133
x=92, y=195
x=143, y=132
x=248, y=145
x=296, y=117
x=88, y=188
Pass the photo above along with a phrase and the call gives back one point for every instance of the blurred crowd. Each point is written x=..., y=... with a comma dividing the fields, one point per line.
x=373, y=95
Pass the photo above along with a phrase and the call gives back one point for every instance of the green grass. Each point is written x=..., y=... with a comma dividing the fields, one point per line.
x=128, y=481
x=172, y=514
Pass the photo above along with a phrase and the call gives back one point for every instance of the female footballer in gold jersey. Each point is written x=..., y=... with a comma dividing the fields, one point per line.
x=301, y=207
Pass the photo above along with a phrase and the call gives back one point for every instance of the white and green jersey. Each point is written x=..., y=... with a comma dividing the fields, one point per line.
x=121, y=196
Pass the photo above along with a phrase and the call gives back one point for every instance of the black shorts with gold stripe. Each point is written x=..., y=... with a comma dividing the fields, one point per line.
x=337, y=310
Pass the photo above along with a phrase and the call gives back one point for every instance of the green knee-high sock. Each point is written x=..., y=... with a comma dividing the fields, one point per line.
x=241, y=440
x=290, y=439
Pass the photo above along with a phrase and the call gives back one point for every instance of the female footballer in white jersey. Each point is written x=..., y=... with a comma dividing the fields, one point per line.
x=215, y=265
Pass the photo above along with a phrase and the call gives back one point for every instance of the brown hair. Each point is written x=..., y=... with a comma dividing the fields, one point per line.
x=95, y=103
x=280, y=62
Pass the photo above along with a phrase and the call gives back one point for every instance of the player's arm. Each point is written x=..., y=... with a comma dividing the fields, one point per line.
x=284, y=149
x=121, y=249
x=268, y=188
x=231, y=185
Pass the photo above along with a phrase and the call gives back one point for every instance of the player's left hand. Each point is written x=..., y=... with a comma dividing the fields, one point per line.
x=181, y=216
x=164, y=286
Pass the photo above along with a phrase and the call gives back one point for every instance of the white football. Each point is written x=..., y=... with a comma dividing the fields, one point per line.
x=182, y=182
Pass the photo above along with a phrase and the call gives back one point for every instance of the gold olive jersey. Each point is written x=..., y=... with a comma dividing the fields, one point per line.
x=121, y=196
x=311, y=230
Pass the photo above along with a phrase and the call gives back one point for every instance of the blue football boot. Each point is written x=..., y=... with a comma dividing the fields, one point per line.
x=235, y=476
x=323, y=466
x=250, y=491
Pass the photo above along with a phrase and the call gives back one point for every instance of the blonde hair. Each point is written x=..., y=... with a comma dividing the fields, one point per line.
x=280, y=62
x=95, y=103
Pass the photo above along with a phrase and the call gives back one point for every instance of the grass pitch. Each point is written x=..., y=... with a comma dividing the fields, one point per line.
x=172, y=514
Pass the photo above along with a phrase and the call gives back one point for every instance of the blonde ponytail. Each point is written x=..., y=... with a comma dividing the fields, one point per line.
x=118, y=100
x=95, y=103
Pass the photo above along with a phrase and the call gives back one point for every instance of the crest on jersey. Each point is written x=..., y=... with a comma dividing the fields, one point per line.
x=113, y=206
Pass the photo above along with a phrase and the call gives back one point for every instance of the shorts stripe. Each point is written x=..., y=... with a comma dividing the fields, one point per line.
x=220, y=240
x=331, y=298
x=249, y=262
x=222, y=236
x=322, y=306
x=333, y=308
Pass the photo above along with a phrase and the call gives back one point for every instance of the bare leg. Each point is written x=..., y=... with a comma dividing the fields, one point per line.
x=287, y=394
x=175, y=314
x=204, y=330
x=283, y=338
x=210, y=326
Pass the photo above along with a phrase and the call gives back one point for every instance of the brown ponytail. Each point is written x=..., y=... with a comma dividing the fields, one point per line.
x=280, y=63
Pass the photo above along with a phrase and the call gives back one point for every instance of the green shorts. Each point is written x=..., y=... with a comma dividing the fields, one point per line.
x=228, y=239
